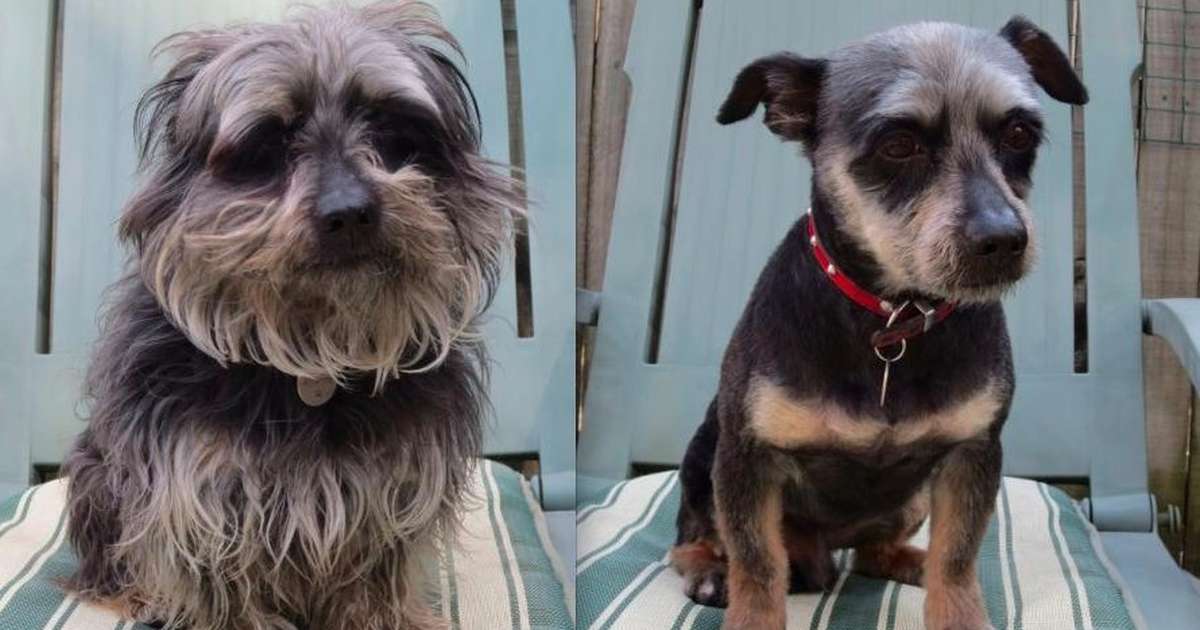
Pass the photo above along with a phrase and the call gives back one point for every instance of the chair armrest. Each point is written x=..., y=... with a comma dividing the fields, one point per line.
x=556, y=490
x=1177, y=321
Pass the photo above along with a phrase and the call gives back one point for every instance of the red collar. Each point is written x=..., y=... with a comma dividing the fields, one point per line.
x=898, y=328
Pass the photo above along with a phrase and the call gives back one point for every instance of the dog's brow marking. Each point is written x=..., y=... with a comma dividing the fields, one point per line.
x=779, y=419
x=407, y=83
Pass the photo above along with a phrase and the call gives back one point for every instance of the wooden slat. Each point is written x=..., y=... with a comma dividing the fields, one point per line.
x=584, y=28
x=546, y=372
x=606, y=134
x=655, y=65
x=26, y=35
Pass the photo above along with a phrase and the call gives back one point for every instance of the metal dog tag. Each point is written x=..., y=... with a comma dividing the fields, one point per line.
x=315, y=391
x=888, y=361
x=887, y=369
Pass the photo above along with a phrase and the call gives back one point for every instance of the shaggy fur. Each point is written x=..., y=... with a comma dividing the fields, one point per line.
x=204, y=493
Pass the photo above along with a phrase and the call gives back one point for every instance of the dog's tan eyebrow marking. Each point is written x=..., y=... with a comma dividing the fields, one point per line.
x=994, y=90
x=910, y=97
x=405, y=85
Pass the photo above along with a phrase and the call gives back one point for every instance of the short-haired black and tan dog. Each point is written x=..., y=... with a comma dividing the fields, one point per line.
x=922, y=140
x=289, y=389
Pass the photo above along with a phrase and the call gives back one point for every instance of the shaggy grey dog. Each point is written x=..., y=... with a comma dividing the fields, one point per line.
x=289, y=388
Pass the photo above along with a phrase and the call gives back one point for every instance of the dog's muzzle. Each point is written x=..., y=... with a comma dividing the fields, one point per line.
x=994, y=238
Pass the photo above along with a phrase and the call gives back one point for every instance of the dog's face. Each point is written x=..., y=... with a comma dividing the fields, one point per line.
x=924, y=137
x=314, y=197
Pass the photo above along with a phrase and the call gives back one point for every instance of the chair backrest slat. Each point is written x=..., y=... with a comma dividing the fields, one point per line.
x=24, y=67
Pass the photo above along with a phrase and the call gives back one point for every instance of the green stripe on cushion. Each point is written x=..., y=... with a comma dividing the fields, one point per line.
x=587, y=509
x=543, y=592
x=991, y=578
x=1053, y=513
x=827, y=597
x=499, y=534
x=683, y=615
x=709, y=618
x=858, y=603
x=13, y=518
x=9, y=505
x=1104, y=597
x=1013, y=586
x=451, y=587
x=66, y=616
x=893, y=599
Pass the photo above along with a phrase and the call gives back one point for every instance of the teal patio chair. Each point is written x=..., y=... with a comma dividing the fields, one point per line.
x=700, y=207
x=59, y=248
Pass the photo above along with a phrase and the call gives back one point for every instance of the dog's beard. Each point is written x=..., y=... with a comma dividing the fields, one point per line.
x=242, y=283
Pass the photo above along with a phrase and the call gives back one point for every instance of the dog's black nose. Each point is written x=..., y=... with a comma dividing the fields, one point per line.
x=998, y=239
x=344, y=203
x=993, y=230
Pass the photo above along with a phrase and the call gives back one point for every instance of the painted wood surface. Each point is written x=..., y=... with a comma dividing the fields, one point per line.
x=26, y=30
x=105, y=67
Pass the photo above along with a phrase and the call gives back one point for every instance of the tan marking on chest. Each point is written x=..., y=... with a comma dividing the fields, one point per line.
x=778, y=418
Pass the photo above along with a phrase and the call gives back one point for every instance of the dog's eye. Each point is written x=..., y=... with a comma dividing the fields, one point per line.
x=258, y=157
x=901, y=146
x=395, y=150
x=403, y=140
x=1018, y=137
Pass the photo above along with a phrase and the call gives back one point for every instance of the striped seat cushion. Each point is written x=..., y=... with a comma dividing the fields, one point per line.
x=1041, y=568
x=502, y=573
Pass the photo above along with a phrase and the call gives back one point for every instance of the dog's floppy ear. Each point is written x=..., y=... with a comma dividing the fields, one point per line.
x=1046, y=60
x=787, y=85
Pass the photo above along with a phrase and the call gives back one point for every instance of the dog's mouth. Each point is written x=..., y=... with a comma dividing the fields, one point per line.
x=983, y=285
x=373, y=262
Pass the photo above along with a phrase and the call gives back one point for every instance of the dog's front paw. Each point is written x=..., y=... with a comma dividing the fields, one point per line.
x=955, y=608
x=707, y=588
x=902, y=563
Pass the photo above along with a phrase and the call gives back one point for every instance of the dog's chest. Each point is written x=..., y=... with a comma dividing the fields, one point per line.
x=783, y=420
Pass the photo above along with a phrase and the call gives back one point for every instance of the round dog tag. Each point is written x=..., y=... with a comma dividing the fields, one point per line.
x=315, y=391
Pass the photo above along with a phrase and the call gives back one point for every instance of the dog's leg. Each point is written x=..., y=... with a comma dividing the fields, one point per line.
x=390, y=596
x=810, y=564
x=698, y=554
x=888, y=555
x=749, y=508
x=964, y=494
x=93, y=527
